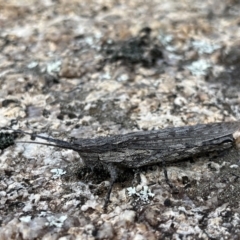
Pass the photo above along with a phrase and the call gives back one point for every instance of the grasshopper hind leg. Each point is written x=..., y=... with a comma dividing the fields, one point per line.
x=168, y=181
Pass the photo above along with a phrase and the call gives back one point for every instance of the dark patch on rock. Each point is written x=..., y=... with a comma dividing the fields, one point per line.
x=7, y=139
x=141, y=49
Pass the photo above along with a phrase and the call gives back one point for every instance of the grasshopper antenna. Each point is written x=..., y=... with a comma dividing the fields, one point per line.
x=54, y=142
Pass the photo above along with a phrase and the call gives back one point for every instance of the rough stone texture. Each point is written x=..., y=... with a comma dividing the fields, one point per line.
x=94, y=68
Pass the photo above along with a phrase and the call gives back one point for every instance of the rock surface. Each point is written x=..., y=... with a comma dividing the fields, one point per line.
x=94, y=68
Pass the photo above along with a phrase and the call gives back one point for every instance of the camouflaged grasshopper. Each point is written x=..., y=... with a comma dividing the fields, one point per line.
x=144, y=148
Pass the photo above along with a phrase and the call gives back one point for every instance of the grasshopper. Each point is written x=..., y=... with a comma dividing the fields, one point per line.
x=144, y=148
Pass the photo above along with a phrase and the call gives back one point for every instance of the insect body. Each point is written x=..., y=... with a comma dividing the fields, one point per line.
x=138, y=149
x=143, y=148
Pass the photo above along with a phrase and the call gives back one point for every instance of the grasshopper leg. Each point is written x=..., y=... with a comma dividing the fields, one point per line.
x=112, y=169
